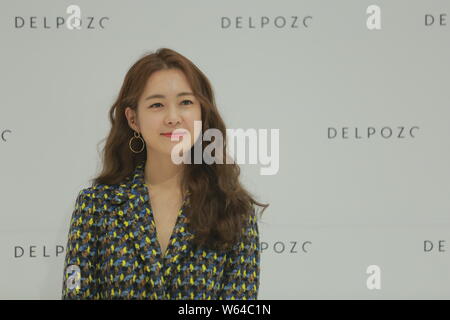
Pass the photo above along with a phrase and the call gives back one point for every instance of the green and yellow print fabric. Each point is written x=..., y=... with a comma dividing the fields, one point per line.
x=112, y=252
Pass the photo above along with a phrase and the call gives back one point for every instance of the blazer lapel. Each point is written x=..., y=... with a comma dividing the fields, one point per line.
x=134, y=216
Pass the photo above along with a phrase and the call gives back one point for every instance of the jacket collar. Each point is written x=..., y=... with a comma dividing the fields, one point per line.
x=134, y=186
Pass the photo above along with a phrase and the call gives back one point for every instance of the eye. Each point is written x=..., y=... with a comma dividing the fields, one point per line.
x=154, y=105
x=187, y=101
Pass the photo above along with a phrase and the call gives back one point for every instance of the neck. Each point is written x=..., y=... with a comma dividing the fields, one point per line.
x=161, y=173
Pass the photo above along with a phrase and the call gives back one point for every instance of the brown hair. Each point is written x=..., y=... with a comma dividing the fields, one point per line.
x=219, y=206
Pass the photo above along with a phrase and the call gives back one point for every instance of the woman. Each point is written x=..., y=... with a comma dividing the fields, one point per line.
x=149, y=228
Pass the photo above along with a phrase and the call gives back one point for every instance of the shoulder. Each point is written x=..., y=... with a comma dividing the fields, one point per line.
x=93, y=198
x=252, y=220
x=90, y=206
x=250, y=230
x=100, y=192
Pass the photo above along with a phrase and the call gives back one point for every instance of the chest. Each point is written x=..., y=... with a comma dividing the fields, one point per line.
x=165, y=210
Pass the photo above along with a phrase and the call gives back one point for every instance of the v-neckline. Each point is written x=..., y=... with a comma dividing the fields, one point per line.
x=153, y=222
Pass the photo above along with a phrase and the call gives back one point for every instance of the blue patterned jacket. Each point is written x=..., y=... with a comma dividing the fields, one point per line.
x=112, y=252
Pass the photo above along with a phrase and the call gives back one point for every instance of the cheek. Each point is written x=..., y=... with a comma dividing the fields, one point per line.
x=191, y=117
x=151, y=125
x=194, y=115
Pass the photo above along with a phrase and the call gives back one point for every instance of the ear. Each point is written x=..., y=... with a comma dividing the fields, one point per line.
x=132, y=119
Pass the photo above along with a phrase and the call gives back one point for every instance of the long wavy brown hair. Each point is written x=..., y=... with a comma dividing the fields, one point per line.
x=219, y=206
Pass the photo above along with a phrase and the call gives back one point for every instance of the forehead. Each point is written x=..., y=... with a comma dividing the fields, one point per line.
x=164, y=81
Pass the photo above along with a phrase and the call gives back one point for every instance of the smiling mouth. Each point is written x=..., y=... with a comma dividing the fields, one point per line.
x=169, y=135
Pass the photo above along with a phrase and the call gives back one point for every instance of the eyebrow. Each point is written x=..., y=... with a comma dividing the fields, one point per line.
x=163, y=96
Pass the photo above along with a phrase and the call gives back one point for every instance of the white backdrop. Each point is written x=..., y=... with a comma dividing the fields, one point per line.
x=342, y=200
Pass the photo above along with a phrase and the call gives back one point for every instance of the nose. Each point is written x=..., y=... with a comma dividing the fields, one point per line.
x=173, y=117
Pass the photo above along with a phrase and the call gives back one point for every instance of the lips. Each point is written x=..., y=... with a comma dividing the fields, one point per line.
x=170, y=134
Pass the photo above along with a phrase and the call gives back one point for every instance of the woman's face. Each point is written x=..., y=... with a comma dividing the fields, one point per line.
x=166, y=104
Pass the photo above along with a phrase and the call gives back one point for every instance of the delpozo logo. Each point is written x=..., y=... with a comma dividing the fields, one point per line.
x=74, y=20
x=286, y=247
x=266, y=22
x=385, y=132
x=34, y=251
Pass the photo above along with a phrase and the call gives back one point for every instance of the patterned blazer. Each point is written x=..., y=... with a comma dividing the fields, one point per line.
x=112, y=252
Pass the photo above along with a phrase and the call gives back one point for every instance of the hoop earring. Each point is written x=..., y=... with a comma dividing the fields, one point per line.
x=138, y=136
